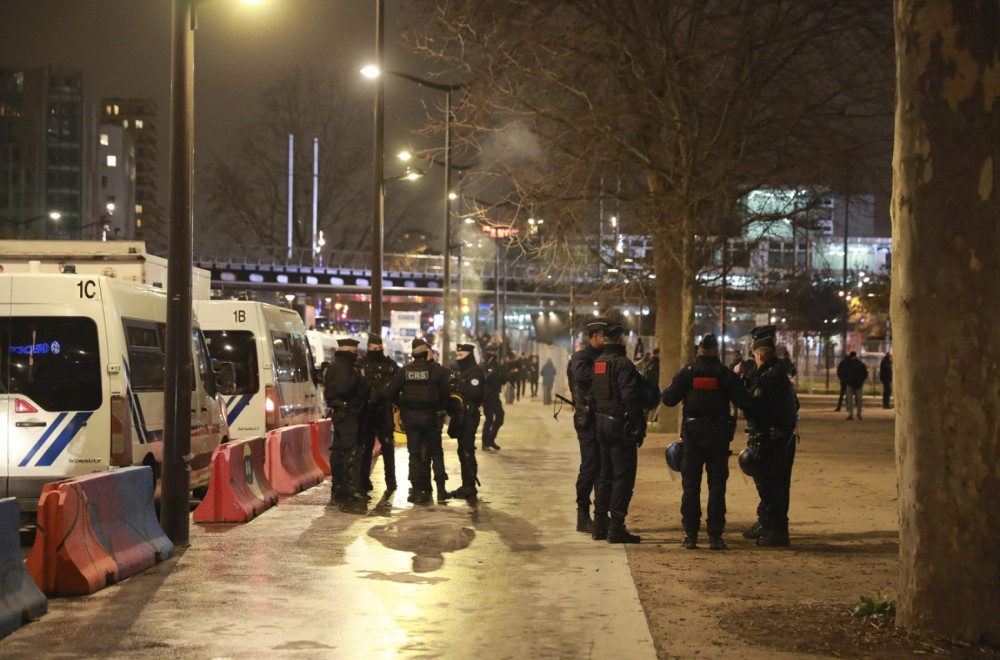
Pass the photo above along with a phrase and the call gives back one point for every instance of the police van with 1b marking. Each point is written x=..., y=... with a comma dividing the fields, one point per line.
x=267, y=351
x=82, y=378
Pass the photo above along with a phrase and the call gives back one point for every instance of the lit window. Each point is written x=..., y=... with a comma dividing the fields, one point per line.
x=138, y=222
x=105, y=140
x=125, y=123
x=138, y=208
x=112, y=161
x=138, y=123
x=115, y=107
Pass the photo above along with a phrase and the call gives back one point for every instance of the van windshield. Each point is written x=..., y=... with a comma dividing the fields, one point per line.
x=53, y=360
x=240, y=348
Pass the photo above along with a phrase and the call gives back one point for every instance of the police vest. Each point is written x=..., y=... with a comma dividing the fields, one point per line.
x=707, y=396
x=606, y=395
x=418, y=389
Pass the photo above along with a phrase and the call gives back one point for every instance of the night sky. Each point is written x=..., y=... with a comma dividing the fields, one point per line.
x=123, y=48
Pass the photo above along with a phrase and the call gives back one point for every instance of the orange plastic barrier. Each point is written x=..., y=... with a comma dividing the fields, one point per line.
x=238, y=490
x=321, y=429
x=289, y=464
x=95, y=530
x=20, y=598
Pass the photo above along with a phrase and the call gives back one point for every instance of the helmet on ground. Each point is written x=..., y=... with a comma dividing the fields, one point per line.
x=674, y=454
x=749, y=461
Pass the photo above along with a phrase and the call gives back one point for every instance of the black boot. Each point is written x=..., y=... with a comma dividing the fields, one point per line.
x=618, y=534
x=443, y=494
x=583, y=521
x=600, y=532
x=466, y=493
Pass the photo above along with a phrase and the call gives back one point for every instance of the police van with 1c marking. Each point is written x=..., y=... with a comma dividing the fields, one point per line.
x=82, y=378
x=265, y=346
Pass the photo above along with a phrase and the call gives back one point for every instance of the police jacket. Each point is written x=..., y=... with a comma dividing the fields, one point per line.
x=495, y=377
x=421, y=385
x=344, y=388
x=378, y=371
x=469, y=383
x=580, y=374
x=706, y=387
x=776, y=405
x=617, y=387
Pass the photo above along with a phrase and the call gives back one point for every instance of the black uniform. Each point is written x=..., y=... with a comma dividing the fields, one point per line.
x=469, y=382
x=706, y=387
x=492, y=406
x=772, y=428
x=376, y=421
x=621, y=426
x=420, y=389
x=346, y=394
x=580, y=374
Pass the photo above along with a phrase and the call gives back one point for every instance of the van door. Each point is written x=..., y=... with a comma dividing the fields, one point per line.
x=56, y=413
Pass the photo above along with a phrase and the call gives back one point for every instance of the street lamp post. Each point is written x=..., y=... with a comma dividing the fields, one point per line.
x=378, y=180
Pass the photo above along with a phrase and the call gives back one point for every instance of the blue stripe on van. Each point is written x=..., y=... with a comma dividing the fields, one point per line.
x=234, y=411
x=63, y=439
x=42, y=440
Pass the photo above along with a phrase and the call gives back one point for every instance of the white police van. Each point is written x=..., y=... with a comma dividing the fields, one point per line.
x=81, y=382
x=267, y=348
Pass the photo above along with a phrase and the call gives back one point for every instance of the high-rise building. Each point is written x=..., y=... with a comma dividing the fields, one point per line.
x=115, y=197
x=43, y=147
x=137, y=117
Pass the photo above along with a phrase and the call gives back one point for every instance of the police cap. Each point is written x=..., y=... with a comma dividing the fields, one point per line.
x=613, y=329
x=492, y=348
x=708, y=342
x=596, y=324
x=347, y=342
x=763, y=337
x=468, y=348
x=419, y=346
x=374, y=339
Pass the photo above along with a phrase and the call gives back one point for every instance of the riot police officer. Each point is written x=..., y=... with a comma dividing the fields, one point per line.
x=468, y=388
x=618, y=392
x=706, y=387
x=580, y=374
x=772, y=431
x=346, y=394
x=420, y=389
x=378, y=371
x=492, y=406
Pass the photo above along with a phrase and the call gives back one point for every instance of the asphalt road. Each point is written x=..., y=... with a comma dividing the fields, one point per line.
x=506, y=578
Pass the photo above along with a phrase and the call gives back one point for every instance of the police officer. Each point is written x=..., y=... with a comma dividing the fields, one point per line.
x=378, y=371
x=420, y=389
x=618, y=392
x=492, y=406
x=580, y=374
x=706, y=387
x=346, y=393
x=469, y=384
x=772, y=430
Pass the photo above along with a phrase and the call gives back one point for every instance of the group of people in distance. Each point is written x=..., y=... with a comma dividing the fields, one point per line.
x=610, y=402
x=368, y=397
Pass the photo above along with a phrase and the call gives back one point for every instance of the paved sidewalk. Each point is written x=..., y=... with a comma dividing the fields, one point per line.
x=508, y=578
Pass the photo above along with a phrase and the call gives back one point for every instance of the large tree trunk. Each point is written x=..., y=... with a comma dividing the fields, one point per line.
x=669, y=311
x=946, y=320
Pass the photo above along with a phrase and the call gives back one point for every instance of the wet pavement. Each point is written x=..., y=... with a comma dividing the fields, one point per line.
x=508, y=577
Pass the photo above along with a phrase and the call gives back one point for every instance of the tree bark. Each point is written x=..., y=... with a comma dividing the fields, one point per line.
x=946, y=247
x=669, y=311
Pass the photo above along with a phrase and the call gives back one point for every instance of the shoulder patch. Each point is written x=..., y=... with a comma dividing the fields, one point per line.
x=705, y=383
x=418, y=375
x=601, y=367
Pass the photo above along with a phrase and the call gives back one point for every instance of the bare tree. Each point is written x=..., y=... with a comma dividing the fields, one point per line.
x=671, y=111
x=248, y=188
x=946, y=252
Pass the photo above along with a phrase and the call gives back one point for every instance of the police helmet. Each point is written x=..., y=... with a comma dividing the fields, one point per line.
x=674, y=454
x=749, y=461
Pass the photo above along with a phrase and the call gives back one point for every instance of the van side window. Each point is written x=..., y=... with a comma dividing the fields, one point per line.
x=53, y=360
x=291, y=357
x=240, y=348
x=201, y=362
x=146, y=358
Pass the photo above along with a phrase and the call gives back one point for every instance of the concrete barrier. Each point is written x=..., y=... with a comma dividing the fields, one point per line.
x=238, y=490
x=20, y=598
x=95, y=530
x=321, y=429
x=288, y=463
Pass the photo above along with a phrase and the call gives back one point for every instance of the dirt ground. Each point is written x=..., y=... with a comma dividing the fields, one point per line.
x=795, y=602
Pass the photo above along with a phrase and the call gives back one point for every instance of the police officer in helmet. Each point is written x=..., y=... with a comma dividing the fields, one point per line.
x=420, y=389
x=469, y=384
x=346, y=394
x=492, y=406
x=618, y=392
x=706, y=387
x=580, y=374
x=772, y=431
x=376, y=421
